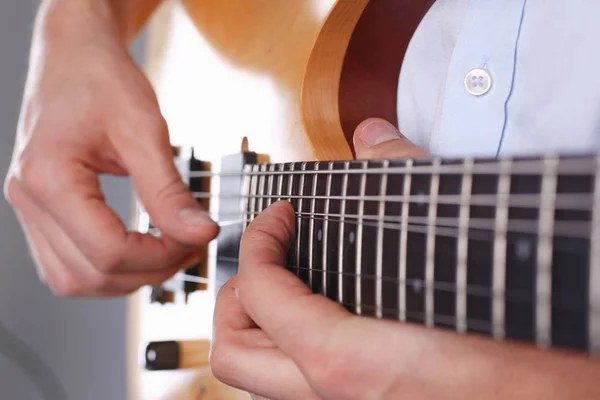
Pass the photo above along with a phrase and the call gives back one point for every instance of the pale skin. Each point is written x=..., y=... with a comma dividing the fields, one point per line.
x=105, y=119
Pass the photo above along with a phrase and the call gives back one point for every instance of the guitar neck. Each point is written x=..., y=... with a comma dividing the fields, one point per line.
x=498, y=247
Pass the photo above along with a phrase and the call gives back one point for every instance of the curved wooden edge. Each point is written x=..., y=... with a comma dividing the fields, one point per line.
x=321, y=83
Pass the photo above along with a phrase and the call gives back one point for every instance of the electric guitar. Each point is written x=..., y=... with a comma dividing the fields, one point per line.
x=500, y=247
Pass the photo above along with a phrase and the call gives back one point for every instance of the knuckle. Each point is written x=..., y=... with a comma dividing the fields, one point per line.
x=98, y=283
x=221, y=361
x=108, y=260
x=10, y=188
x=31, y=177
x=151, y=124
x=171, y=189
x=65, y=286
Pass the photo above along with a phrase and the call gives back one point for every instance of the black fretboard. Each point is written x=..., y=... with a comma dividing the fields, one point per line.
x=498, y=247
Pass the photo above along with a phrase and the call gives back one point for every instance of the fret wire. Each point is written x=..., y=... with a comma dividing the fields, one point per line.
x=253, y=188
x=289, y=193
x=311, y=228
x=290, y=183
x=261, y=184
x=500, y=246
x=299, y=229
x=380, y=232
x=246, y=189
x=280, y=182
x=543, y=316
x=574, y=201
x=342, y=233
x=359, y=239
x=594, y=272
x=568, y=166
x=463, y=247
x=404, y=243
x=326, y=229
x=430, y=244
x=271, y=177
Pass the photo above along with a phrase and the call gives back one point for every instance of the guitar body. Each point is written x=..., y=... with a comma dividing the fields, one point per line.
x=225, y=71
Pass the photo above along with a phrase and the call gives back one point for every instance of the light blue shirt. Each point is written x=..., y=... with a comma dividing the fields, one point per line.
x=543, y=57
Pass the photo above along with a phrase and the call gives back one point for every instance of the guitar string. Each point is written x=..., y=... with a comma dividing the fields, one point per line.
x=564, y=201
x=563, y=229
x=567, y=166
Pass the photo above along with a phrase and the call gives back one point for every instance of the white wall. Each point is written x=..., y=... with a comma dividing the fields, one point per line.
x=74, y=349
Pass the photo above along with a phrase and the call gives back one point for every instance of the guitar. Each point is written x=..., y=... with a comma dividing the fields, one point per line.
x=496, y=247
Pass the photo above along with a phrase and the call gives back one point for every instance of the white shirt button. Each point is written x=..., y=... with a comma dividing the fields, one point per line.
x=478, y=82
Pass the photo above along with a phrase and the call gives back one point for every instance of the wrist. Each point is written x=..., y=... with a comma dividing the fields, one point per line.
x=72, y=19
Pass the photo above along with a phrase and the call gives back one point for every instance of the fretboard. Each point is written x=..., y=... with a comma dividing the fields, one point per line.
x=498, y=247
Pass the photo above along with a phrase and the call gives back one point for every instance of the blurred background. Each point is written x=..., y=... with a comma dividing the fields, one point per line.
x=50, y=348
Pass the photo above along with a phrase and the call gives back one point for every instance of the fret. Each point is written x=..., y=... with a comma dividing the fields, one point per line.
x=246, y=191
x=270, y=179
x=311, y=227
x=253, y=190
x=521, y=261
x=543, y=315
x=430, y=245
x=294, y=248
x=390, y=242
x=416, y=249
x=302, y=236
x=261, y=188
x=359, y=240
x=499, y=266
x=594, y=272
x=280, y=188
x=370, y=270
x=446, y=248
x=326, y=230
x=480, y=255
x=333, y=251
x=463, y=246
x=379, y=257
x=342, y=234
x=570, y=268
x=404, y=243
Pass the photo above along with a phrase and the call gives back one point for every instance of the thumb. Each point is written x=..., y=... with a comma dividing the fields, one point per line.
x=167, y=199
x=376, y=138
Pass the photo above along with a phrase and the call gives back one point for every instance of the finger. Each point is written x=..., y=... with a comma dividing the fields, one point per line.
x=66, y=269
x=273, y=297
x=70, y=192
x=148, y=158
x=376, y=138
x=242, y=355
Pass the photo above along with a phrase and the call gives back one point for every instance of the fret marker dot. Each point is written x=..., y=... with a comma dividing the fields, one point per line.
x=320, y=235
x=421, y=202
x=523, y=249
x=417, y=285
x=352, y=237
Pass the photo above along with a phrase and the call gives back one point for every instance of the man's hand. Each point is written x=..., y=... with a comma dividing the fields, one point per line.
x=276, y=339
x=89, y=110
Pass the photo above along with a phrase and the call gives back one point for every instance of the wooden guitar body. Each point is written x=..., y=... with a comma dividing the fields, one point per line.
x=268, y=71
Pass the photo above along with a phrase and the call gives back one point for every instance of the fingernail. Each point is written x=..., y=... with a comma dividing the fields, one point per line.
x=377, y=132
x=195, y=216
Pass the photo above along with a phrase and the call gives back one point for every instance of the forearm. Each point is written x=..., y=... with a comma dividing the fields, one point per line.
x=441, y=363
x=123, y=18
